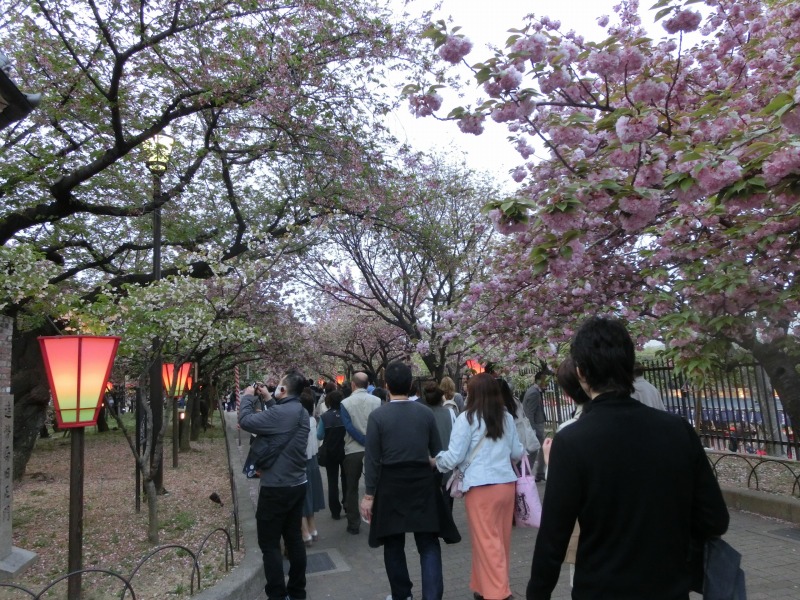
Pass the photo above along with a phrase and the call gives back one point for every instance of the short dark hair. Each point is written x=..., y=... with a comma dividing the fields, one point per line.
x=603, y=351
x=398, y=378
x=638, y=369
x=434, y=396
x=567, y=378
x=333, y=399
x=294, y=381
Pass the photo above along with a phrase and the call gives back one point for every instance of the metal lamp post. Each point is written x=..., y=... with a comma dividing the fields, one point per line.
x=77, y=368
x=179, y=380
x=157, y=150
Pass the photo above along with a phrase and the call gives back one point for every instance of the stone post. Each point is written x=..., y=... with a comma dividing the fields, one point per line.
x=13, y=560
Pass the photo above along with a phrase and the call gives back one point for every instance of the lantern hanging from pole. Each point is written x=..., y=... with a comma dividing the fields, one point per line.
x=475, y=366
x=78, y=367
x=340, y=379
x=168, y=375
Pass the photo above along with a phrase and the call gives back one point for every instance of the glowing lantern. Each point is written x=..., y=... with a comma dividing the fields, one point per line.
x=168, y=374
x=475, y=366
x=340, y=379
x=78, y=367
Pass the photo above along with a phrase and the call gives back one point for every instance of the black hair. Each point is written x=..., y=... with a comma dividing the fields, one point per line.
x=307, y=400
x=567, y=378
x=398, y=378
x=508, y=397
x=333, y=399
x=434, y=396
x=603, y=351
x=294, y=381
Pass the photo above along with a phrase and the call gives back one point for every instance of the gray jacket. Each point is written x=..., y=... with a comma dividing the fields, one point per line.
x=286, y=421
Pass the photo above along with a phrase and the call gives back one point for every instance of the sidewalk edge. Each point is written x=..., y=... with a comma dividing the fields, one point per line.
x=786, y=508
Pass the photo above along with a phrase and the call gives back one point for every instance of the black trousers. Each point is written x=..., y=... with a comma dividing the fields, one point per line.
x=353, y=465
x=279, y=514
x=334, y=471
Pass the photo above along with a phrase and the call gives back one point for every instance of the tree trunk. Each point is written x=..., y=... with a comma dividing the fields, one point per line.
x=152, y=511
x=31, y=394
x=780, y=368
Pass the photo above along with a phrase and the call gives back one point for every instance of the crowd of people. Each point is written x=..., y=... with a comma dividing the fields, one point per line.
x=630, y=493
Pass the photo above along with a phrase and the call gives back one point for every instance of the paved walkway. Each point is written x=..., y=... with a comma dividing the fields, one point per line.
x=771, y=550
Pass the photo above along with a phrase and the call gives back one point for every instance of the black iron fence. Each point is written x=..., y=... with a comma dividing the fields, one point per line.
x=737, y=410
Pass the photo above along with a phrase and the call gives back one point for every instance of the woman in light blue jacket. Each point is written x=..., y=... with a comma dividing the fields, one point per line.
x=483, y=443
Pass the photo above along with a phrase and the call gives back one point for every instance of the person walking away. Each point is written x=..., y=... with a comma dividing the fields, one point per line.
x=315, y=495
x=402, y=495
x=483, y=444
x=639, y=515
x=331, y=430
x=533, y=405
x=452, y=399
x=282, y=487
x=355, y=411
x=445, y=417
x=644, y=391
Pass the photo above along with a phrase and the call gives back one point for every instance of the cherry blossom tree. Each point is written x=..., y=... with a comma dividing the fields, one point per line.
x=411, y=262
x=354, y=337
x=659, y=182
x=275, y=108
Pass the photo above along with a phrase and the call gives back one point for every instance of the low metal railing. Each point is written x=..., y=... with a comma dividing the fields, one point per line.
x=127, y=585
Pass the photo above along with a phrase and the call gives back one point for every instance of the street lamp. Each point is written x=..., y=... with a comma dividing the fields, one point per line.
x=179, y=380
x=77, y=368
x=157, y=150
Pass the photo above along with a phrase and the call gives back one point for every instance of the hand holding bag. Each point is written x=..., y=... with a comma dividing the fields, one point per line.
x=455, y=484
x=527, y=505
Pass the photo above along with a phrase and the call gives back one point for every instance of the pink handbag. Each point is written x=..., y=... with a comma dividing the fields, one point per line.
x=527, y=505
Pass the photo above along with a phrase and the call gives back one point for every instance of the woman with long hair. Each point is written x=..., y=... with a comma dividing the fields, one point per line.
x=483, y=443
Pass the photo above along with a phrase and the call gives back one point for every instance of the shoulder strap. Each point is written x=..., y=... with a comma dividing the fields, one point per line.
x=472, y=454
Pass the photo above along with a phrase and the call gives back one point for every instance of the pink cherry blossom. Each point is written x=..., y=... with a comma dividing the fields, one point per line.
x=683, y=20
x=455, y=48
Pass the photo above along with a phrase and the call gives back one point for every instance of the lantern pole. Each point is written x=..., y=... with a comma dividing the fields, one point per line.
x=157, y=151
x=75, y=551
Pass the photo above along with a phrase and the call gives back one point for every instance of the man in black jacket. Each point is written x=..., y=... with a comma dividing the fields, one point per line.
x=283, y=485
x=401, y=438
x=636, y=479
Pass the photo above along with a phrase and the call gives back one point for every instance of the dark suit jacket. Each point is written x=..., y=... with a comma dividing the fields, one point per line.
x=639, y=484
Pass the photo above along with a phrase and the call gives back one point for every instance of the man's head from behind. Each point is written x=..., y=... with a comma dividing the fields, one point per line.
x=360, y=380
x=293, y=382
x=604, y=355
x=398, y=378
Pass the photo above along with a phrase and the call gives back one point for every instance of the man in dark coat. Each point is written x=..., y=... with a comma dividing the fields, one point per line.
x=636, y=479
x=402, y=494
x=282, y=489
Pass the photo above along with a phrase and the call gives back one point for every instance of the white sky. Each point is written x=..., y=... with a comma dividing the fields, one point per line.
x=487, y=22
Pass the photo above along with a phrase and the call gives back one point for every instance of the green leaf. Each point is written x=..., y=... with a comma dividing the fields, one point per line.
x=663, y=13
x=778, y=102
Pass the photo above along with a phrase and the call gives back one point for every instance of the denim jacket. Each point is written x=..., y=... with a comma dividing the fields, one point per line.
x=492, y=462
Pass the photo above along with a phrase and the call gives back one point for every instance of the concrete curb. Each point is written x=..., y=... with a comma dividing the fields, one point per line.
x=247, y=579
x=786, y=508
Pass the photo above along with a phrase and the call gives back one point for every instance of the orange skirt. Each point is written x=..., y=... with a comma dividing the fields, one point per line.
x=490, y=509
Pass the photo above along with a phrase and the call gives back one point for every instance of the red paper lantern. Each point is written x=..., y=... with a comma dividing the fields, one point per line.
x=475, y=366
x=340, y=379
x=78, y=367
x=168, y=373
